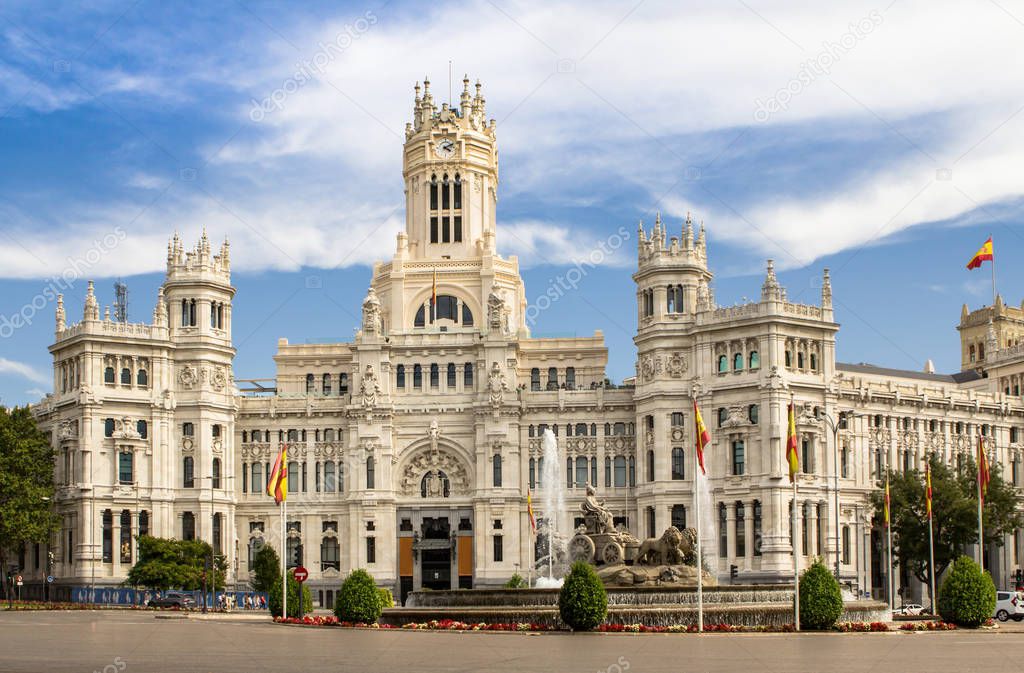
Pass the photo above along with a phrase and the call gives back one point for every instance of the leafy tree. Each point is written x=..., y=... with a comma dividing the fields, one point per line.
x=954, y=513
x=515, y=582
x=266, y=569
x=821, y=601
x=274, y=598
x=582, y=601
x=26, y=483
x=175, y=564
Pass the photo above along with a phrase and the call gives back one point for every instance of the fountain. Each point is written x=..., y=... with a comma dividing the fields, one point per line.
x=553, y=492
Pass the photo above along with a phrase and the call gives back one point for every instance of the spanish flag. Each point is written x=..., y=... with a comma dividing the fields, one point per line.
x=277, y=486
x=529, y=511
x=792, y=457
x=928, y=489
x=703, y=436
x=983, y=255
x=887, y=500
x=433, y=290
x=983, y=473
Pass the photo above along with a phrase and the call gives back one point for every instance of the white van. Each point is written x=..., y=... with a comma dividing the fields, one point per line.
x=1009, y=604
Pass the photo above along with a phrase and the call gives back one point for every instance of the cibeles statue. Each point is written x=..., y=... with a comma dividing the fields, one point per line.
x=596, y=517
x=372, y=317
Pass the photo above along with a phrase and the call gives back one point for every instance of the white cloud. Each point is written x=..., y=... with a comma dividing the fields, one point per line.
x=23, y=370
x=316, y=182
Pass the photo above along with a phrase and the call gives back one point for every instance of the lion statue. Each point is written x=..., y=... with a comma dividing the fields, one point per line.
x=669, y=549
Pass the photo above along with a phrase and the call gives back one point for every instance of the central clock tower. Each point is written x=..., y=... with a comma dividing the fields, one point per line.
x=450, y=168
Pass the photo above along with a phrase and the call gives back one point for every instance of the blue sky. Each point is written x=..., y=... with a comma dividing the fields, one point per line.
x=881, y=140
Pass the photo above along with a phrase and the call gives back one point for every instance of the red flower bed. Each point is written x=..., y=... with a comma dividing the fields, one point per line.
x=927, y=626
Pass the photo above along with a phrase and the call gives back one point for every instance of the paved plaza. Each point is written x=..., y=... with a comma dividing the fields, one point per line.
x=116, y=642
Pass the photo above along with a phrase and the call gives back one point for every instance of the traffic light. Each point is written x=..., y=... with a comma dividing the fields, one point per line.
x=733, y=572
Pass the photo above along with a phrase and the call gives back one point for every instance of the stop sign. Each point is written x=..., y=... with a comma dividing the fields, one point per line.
x=301, y=574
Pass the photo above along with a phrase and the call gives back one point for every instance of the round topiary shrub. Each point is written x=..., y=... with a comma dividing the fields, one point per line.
x=582, y=602
x=274, y=598
x=358, y=599
x=821, y=601
x=967, y=596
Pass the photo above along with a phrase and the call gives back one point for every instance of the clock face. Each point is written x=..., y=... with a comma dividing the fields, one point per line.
x=445, y=148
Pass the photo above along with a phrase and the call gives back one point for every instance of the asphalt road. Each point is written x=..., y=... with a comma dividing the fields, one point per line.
x=123, y=642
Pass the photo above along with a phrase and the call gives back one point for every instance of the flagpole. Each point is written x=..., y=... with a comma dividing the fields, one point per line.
x=284, y=558
x=931, y=536
x=888, y=534
x=796, y=563
x=981, y=531
x=700, y=558
x=993, y=275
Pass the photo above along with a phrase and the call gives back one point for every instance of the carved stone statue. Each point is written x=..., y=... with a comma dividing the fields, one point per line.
x=496, y=312
x=596, y=517
x=669, y=549
x=369, y=387
x=496, y=385
x=371, y=312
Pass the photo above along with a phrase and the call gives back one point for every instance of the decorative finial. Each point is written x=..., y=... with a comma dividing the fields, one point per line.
x=61, y=318
x=91, y=311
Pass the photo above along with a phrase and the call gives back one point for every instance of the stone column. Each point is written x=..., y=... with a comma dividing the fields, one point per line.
x=730, y=527
x=748, y=533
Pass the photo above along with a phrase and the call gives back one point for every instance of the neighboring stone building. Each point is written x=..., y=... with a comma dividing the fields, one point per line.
x=413, y=447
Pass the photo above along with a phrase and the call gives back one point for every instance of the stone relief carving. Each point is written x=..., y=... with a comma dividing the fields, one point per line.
x=676, y=365
x=371, y=312
x=369, y=387
x=124, y=428
x=496, y=385
x=219, y=380
x=497, y=312
x=188, y=377
x=431, y=465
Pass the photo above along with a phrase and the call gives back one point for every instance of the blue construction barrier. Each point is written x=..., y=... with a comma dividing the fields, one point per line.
x=140, y=597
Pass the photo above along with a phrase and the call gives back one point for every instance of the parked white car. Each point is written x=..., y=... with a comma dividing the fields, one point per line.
x=909, y=609
x=1009, y=605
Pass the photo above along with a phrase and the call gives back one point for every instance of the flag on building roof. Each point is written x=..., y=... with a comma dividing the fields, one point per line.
x=277, y=485
x=703, y=436
x=985, y=254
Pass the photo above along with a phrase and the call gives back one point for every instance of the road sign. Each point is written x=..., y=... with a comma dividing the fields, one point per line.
x=301, y=574
x=49, y=579
x=20, y=580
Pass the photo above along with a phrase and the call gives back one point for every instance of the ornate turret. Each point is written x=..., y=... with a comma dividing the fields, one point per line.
x=91, y=310
x=160, y=310
x=60, y=316
x=771, y=289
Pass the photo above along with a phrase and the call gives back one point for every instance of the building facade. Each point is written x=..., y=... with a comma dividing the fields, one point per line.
x=413, y=447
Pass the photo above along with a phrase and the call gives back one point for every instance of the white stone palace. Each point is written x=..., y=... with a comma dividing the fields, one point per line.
x=412, y=448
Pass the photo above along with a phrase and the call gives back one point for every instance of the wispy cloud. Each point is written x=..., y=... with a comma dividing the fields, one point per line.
x=12, y=367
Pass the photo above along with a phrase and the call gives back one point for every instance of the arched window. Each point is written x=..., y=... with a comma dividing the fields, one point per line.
x=674, y=299
x=650, y=465
x=581, y=430
x=126, y=377
x=737, y=361
x=370, y=468
x=420, y=319
x=552, y=378
x=325, y=384
x=142, y=378
x=188, y=472
x=310, y=384
x=971, y=350
x=752, y=413
x=533, y=473
x=753, y=360
x=496, y=471
x=417, y=376
x=343, y=384
x=723, y=364
x=330, y=554
x=400, y=376
x=741, y=530
x=467, y=315
x=435, y=376
x=450, y=382
x=757, y=528
x=216, y=473
x=108, y=375
x=570, y=378
x=467, y=376
x=814, y=362
x=679, y=516
x=535, y=379
x=723, y=415
x=188, y=526
x=789, y=359
x=799, y=360
x=293, y=435
x=678, y=463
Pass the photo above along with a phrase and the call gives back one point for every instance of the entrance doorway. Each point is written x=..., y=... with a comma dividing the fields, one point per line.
x=437, y=568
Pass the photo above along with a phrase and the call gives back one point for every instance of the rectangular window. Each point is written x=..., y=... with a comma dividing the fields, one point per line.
x=433, y=229
x=741, y=531
x=738, y=458
x=125, y=472
x=108, y=536
x=499, y=551
x=371, y=549
x=846, y=545
x=457, y=225
x=446, y=230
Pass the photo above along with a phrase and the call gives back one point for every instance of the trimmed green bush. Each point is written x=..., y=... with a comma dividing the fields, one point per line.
x=821, y=600
x=387, y=599
x=274, y=598
x=515, y=582
x=967, y=596
x=582, y=602
x=358, y=599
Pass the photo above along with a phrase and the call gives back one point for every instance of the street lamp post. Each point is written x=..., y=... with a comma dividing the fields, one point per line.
x=834, y=426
